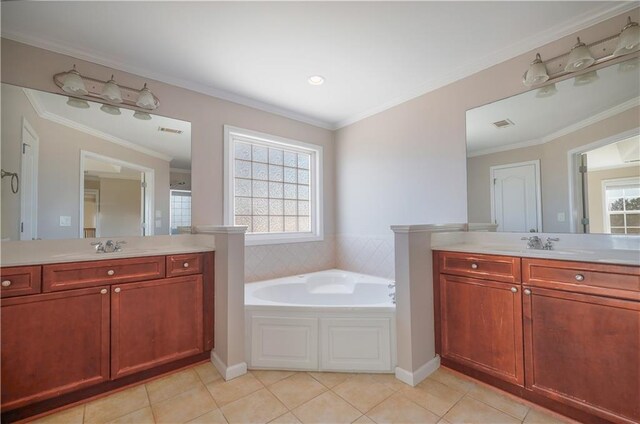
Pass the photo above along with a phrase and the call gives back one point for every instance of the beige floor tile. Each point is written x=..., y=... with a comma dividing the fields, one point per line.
x=539, y=416
x=184, y=407
x=433, y=395
x=227, y=391
x=326, y=408
x=212, y=417
x=173, y=384
x=269, y=377
x=73, y=415
x=443, y=421
x=258, y=408
x=390, y=381
x=469, y=410
x=207, y=372
x=399, y=409
x=364, y=420
x=287, y=418
x=499, y=400
x=331, y=379
x=141, y=416
x=116, y=405
x=453, y=380
x=295, y=390
x=362, y=392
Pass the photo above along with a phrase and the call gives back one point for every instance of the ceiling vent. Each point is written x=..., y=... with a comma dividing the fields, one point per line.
x=169, y=130
x=503, y=124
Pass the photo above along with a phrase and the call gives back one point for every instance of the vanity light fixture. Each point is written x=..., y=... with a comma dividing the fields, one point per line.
x=72, y=83
x=146, y=100
x=316, y=80
x=546, y=91
x=537, y=73
x=629, y=39
x=586, y=78
x=79, y=103
x=111, y=92
x=579, y=58
x=144, y=116
x=111, y=110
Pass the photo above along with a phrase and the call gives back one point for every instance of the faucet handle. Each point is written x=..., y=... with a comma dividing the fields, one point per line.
x=553, y=239
x=524, y=238
x=99, y=246
x=118, y=246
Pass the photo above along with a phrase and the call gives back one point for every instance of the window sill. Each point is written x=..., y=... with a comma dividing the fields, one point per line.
x=263, y=239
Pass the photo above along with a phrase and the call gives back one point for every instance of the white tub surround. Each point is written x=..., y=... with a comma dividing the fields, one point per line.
x=417, y=357
x=35, y=252
x=228, y=353
x=324, y=321
x=603, y=248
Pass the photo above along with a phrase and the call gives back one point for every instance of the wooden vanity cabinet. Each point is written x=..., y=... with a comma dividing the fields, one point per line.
x=69, y=343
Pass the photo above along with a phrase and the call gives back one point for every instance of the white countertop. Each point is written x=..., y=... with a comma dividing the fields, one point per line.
x=36, y=252
x=610, y=256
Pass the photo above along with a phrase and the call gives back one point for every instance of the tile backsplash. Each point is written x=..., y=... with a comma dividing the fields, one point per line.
x=373, y=255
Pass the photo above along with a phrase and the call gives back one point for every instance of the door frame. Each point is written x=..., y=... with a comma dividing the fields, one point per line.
x=28, y=128
x=573, y=166
x=149, y=179
x=536, y=165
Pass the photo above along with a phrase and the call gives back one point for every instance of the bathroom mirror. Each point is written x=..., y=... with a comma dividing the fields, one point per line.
x=564, y=157
x=79, y=169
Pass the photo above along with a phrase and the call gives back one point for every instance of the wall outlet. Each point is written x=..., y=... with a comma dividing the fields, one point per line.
x=65, y=221
x=561, y=217
x=158, y=223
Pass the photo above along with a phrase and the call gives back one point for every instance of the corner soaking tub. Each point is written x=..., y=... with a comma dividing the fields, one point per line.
x=324, y=321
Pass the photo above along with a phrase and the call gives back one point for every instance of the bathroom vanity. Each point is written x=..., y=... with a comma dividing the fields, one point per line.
x=564, y=334
x=72, y=330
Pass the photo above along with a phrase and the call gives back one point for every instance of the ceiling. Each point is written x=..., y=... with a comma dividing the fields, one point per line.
x=540, y=120
x=124, y=129
x=373, y=54
x=621, y=154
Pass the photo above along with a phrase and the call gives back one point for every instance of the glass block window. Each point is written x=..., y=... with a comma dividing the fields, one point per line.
x=180, y=211
x=274, y=185
x=622, y=206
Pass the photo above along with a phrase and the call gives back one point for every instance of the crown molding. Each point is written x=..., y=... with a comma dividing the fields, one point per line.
x=45, y=114
x=608, y=113
x=555, y=33
x=564, y=29
x=60, y=48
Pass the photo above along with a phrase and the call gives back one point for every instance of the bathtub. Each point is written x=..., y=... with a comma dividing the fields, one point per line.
x=330, y=320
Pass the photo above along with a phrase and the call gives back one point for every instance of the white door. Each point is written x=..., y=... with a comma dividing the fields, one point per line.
x=516, y=197
x=29, y=183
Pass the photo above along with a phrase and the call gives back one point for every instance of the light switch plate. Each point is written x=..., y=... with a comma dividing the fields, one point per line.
x=561, y=217
x=158, y=223
x=65, y=221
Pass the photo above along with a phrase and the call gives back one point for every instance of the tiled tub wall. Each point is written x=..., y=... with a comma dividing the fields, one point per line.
x=372, y=255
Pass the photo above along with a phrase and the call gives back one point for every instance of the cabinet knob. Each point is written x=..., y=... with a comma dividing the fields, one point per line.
x=6, y=283
x=117, y=290
x=579, y=277
x=103, y=291
x=474, y=266
x=514, y=290
x=111, y=272
x=185, y=265
x=527, y=292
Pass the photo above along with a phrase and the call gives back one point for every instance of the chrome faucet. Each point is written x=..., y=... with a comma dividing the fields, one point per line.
x=533, y=242
x=549, y=244
x=109, y=246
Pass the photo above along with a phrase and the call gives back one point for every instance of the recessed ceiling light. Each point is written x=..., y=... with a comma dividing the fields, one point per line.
x=316, y=80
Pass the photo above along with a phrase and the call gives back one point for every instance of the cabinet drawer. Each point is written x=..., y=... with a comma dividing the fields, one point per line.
x=603, y=279
x=491, y=267
x=21, y=280
x=88, y=274
x=186, y=264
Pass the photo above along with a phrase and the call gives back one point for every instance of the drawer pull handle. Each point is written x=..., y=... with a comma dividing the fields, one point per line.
x=6, y=283
x=117, y=290
x=111, y=272
x=185, y=265
x=579, y=277
x=514, y=290
x=527, y=292
x=474, y=266
x=103, y=291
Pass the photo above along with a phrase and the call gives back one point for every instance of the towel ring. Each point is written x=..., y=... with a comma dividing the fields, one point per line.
x=15, y=180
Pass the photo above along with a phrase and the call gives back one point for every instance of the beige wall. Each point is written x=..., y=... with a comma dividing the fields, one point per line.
x=180, y=176
x=59, y=167
x=120, y=207
x=554, y=170
x=407, y=165
x=594, y=184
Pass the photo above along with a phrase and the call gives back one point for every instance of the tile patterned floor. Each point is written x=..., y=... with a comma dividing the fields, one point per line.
x=200, y=395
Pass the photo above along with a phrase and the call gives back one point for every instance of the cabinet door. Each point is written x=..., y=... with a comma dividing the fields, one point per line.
x=481, y=325
x=155, y=322
x=53, y=344
x=584, y=350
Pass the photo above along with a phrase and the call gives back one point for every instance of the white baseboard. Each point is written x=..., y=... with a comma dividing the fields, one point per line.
x=228, y=373
x=413, y=378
